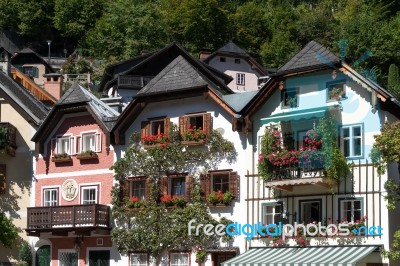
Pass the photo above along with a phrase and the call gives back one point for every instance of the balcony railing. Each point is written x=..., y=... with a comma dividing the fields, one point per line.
x=8, y=138
x=68, y=217
x=295, y=171
x=134, y=81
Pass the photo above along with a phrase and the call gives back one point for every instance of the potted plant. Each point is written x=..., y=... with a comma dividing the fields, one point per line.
x=336, y=93
x=201, y=254
x=134, y=203
x=217, y=197
x=194, y=136
x=155, y=140
x=170, y=201
x=89, y=154
x=61, y=157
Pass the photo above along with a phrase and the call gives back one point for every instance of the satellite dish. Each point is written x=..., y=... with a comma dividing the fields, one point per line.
x=220, y=130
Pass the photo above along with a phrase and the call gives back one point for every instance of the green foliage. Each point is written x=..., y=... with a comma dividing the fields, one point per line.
x=3, y=138
x=394, y=254
x=8, y=231
x=154, y=228
x=25, y=253
x=394, y=81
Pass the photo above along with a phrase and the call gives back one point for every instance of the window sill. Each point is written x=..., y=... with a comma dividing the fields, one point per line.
x=218, y=205
x=193, y=142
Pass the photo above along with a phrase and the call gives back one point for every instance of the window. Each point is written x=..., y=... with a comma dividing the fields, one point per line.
x=68, y=258
x=3, y=183
x=289, y=98
x=138, y=188
x=63, y=144
x=237, y=60
x=50, y=197
x=336, y=91
x=30, y=71
x=310, y=211
x=179, y=259
x=240, y=79
x=271, y=211
x=222, y=59
x=137, y=259
x=157, y=127
x=351, y=210
x=89, y=195
x=224, y=180
x=351, y=140
x=89, y=142
x=178, y=186
x=201, y=121
x=219, y=258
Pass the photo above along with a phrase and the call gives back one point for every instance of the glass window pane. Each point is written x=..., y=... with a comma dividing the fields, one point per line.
x=89, y=142
x=357, y=131
x=346, y=132
x=357, y=147
x=139, y=188
x=346, y=147
x=357, y=204
x=178, y=186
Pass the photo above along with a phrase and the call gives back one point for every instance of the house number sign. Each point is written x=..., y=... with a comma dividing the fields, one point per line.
x=69, y=189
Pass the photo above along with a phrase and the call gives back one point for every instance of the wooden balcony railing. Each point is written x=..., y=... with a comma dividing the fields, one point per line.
x=134, y=81
x=68, y=217
x=296, y=170
x=8, y=138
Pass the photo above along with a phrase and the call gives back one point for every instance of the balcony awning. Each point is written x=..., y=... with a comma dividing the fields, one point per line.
x=306, y=256
x=317, y=112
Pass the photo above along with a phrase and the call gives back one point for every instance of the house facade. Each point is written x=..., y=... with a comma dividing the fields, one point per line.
x=291, y=183
x=20, y=116
x=70, y=214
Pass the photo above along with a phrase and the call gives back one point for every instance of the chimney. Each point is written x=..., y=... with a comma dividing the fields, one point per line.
x=204, y=54
x=53, y=84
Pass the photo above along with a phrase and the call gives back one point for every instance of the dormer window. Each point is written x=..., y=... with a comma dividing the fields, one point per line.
x=63, y=145
x=222, y=59
x=237, y=60
x=240, y=79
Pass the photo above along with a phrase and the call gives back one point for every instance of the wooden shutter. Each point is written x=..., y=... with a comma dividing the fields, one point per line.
x=124, y=190
x=234, y=184
x=147, y=190
x=205, y=183
x=98, y=142
x=145, y=129
x=182, y=124
x=207, y=123
x=164, y=185
x=167, y=125
x=189, y=187
x=2, y=178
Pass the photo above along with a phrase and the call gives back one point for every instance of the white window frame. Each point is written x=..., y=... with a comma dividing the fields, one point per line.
x=50, y=202
x=351, y=138
x=308, y=201
x=240, y=79
x=97, y=140
x=89, y=187
x=352, y=200
x=264, y=212
x=180, y=263
x=141, y=262
x=55, y=149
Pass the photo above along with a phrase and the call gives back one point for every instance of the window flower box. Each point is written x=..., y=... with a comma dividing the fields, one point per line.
x=153, y=141
x=171, y=201
x=217, y=198
x=194, y=136
x=87, y=155
x=135, y=204
x=63, y=157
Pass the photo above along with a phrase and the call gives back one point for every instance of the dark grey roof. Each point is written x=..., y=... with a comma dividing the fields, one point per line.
x=239, y=100
x=26, y=51
x=178, y=75
x=31, y=105
x=231, y=48
x=78, y=94
x=312, y=55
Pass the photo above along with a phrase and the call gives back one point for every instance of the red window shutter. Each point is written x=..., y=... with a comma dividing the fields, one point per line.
x=234, y=184
x=145, y=128
x=189, y=187
x=182, y=124
x=3, y=183
x=207, y=122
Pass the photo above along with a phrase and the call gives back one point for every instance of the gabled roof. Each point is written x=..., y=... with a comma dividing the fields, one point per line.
x=155, y=62
x=313, y=55
x=232, y=50
x=29, y=51
x=179, y=75
x=239, y=100
x=29, y=106
x=77, y=99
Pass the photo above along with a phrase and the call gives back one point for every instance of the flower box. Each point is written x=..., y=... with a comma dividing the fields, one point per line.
x=86, y=156
x=192, y=143
x=61, y=159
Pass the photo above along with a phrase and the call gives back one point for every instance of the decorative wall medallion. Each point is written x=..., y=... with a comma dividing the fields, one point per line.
x=69, y=189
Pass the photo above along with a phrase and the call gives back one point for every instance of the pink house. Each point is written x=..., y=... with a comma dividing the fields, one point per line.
x=72, y=192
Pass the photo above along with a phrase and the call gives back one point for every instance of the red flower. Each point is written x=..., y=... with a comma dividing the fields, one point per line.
x=134, y=198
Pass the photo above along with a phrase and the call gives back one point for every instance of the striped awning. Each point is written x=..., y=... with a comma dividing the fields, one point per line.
x=318, y=112
x=306, y=256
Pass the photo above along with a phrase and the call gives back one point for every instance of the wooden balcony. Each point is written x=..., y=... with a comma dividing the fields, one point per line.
x=8, y=142
x=286, y=176
x=59, y=220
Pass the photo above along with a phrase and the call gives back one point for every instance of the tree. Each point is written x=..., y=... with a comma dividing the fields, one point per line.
x=25, y=253
x=386, y=150
x=394, y=81
x=154, y=229
x=8, y=231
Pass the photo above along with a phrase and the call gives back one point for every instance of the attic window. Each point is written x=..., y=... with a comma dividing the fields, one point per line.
x=222, y=59
x=237, y=60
